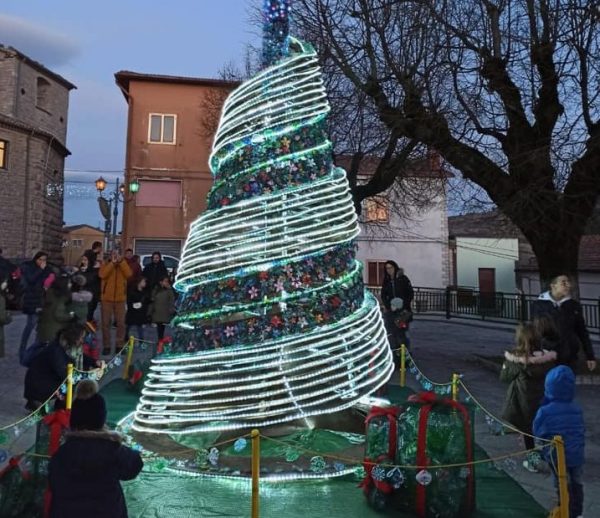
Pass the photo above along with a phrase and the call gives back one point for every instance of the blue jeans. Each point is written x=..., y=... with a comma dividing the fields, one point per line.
x=29, y=327
x=574, y=478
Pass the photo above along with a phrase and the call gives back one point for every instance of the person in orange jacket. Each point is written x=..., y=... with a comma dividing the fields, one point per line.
x=113, y=296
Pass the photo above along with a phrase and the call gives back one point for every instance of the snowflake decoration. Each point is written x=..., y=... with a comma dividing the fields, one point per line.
x=378, y=473
x=317, y=464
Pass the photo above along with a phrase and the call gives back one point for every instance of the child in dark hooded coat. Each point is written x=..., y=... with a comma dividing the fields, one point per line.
x=85, y=473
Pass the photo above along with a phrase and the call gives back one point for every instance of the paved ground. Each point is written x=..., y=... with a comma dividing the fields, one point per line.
x=440, y=348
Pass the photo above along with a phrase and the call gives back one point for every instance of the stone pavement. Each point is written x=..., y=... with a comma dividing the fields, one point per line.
x=440, y=347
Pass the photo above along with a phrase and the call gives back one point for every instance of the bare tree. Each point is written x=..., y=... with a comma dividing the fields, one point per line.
x=506, y=91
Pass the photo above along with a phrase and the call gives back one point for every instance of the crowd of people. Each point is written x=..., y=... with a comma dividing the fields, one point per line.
x=61, y=310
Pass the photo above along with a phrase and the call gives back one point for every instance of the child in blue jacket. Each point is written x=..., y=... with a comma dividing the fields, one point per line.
x=560, y=415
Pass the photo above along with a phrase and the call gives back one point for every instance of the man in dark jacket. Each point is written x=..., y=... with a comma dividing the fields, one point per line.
x=85, y=473
x=560, y=415
x=154, y=272
x=568, y=318
x=33, y=275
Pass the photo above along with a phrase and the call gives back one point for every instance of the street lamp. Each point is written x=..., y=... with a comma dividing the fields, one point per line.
x=109, y=207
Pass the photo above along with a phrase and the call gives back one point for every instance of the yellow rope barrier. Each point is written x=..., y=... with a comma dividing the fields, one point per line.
x=403, y=365
x=35, y=412
x=128, y=359
x=350, y=460
x=420, y=372
x=69, y=397
x=501, y=421
x=255, y=472
x=563, y=489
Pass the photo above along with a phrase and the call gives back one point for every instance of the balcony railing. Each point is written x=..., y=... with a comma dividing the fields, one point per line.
x=494, y=307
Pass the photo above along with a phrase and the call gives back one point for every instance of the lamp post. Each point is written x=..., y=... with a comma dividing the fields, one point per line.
x=109, y=207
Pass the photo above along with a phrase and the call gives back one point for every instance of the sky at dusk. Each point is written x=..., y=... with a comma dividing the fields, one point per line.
x=87, y=42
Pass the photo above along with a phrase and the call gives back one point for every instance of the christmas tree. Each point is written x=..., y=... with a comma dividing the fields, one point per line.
x=274, y=323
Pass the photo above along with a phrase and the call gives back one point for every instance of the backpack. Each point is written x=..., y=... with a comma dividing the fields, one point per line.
x=27, y=356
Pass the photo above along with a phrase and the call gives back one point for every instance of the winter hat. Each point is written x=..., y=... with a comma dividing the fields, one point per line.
x=89, y=409
x=78, y=280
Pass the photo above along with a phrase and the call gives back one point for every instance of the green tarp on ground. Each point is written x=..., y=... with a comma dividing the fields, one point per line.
x=168, y=495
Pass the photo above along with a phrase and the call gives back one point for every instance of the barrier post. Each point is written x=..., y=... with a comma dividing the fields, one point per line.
x=129, y=357
x=403, y=365
x=455, y=378
x=563, y=490
x=255, y=471
x=69, y=400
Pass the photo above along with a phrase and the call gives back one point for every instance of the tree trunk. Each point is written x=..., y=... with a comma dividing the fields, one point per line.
x=557, y=252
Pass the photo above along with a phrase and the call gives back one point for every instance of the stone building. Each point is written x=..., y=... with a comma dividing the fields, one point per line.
x=34, y=103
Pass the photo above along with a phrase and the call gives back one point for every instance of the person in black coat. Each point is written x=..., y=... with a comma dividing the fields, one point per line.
x=33, y=275
x=154, y=272
x=396, y=295
x=84, y=474
x=48, y=369
x=567, y=315
x=92, y=283
x=396, y=285
x=137, y=308
x=94, y=261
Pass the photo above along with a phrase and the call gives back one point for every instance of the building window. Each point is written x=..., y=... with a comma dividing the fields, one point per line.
x=77, y=243
x=376, y=210
x=3, y=154
x=159, y=193
x=375, y=272
x=162, y=128
x=43, y=94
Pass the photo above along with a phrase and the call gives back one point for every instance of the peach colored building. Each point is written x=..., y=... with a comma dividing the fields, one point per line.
x=76, y=240
x=170, y=128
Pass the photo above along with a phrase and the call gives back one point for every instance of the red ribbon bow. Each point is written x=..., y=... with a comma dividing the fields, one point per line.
x=429, y=400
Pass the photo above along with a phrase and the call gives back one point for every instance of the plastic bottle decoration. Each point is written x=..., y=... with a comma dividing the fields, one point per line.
x=240, y=445
x=292, y=455
x=3, y=456
x=339, y=466
x=464, y=472
x=395, y=477
x=317, y=464
x=3, y=437
x=202, y=458
x=378, y=473
x=213, y=456
x=424, y=477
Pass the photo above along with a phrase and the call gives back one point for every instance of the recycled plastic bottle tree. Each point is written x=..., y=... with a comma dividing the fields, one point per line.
x=274, y=322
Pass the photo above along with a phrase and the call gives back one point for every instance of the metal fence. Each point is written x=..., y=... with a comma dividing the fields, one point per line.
x=494, y=307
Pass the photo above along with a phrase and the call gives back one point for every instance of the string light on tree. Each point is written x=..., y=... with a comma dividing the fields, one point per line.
x=274, y=322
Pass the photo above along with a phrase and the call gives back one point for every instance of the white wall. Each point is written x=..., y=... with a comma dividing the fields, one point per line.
x=474, y=253
x=418, y=242
x=589, y=284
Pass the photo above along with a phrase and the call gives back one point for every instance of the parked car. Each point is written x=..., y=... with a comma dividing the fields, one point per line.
x=172, y=263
